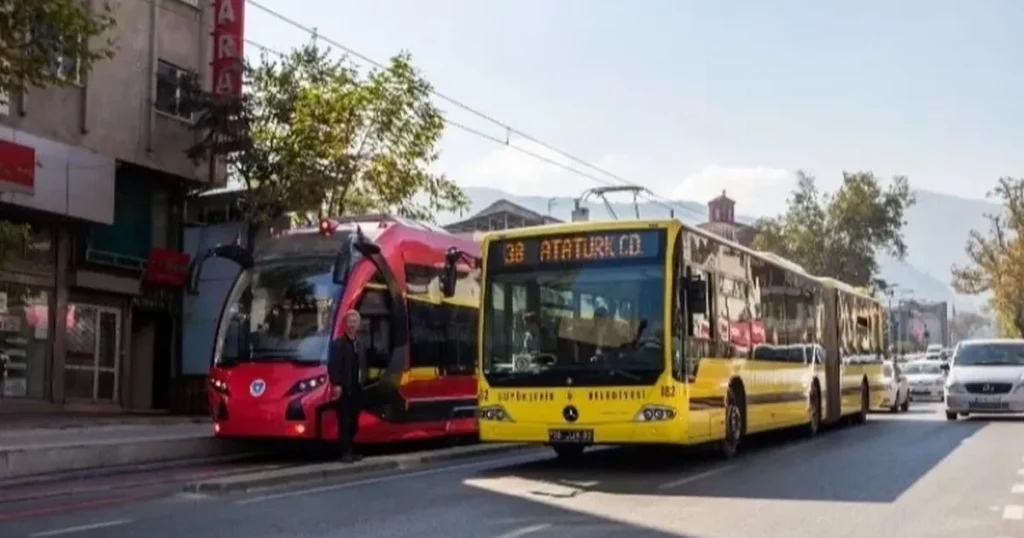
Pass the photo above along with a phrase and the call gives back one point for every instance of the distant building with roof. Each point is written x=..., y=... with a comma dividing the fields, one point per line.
x=722, y=221
x=501, y=215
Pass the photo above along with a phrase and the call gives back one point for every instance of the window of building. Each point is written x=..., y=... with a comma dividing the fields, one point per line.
x=172, y=86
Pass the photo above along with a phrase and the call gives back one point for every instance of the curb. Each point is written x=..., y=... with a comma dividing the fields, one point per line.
x=323, y=471
x=21, y=463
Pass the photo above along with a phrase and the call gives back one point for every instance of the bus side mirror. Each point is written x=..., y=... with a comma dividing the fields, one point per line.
x=450, y=272
x=696, y=296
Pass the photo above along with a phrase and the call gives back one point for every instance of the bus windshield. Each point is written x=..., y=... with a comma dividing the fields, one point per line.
x=280, y=310
x=584, y=324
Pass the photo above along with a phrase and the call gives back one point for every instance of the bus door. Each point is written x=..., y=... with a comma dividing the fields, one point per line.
x=833, y=358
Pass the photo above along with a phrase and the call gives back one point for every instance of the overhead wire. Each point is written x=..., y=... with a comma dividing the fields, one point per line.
x=610, y=180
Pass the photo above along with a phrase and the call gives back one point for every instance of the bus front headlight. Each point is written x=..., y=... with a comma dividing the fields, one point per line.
x=655, y=413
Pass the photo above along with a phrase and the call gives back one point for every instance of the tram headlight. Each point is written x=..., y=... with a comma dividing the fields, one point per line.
x=495, y=413
x=307, y=385
x=219, y=385
x=655, y=413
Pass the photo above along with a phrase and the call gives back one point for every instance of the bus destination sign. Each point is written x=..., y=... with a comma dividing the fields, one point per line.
x=577, y=248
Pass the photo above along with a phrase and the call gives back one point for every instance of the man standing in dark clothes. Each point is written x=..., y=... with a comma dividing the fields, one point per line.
x=346, y=367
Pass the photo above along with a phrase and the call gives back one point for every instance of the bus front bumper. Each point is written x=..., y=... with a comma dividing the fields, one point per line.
x=609, y=433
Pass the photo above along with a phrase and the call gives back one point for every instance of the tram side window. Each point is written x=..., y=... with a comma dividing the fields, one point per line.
x=426, y=333
x=460, y=346
x=375, y=309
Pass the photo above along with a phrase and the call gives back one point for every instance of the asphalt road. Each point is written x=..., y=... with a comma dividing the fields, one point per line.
x=912, y=475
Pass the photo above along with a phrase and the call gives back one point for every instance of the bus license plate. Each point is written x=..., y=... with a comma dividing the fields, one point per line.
x=571, y=436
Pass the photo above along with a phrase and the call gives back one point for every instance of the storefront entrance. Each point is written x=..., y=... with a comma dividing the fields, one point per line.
x=93, y=360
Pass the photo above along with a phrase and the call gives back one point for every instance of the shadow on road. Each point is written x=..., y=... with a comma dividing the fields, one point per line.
x=875, y=463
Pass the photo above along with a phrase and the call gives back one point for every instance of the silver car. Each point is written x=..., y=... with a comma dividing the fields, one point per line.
x=985, y=376
x=926, y=379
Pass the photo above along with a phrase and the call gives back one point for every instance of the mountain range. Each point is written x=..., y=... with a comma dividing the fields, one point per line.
x=936, y=232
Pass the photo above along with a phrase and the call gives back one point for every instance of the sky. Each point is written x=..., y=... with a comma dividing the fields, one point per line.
x=689, y=98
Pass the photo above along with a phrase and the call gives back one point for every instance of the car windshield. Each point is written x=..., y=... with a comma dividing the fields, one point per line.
x=920, y=368
x=990, y=354
x=280, y=310
x=586, y=323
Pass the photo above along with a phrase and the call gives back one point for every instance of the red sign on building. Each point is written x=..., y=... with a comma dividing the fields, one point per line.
x=228, y=46
x=166, y=266
x=17, y=168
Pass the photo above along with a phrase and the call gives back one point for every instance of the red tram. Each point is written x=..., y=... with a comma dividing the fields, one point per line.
x=269, y=378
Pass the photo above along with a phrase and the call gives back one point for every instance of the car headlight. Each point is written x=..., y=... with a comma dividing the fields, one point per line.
x=955, y=388
x=495, y=413
x=655, y=413
x=1020, y=384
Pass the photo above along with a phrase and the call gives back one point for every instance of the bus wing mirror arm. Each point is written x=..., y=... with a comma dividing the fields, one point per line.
x=231, y=251
x=451, y=269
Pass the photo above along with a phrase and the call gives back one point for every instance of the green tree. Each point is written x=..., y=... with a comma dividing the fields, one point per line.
x=313, y=136
x=966, y=325
x=35, y=38
x=840, y=234
x=997, y=260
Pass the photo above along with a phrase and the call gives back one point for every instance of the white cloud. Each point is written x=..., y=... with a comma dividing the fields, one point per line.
x=757, y=191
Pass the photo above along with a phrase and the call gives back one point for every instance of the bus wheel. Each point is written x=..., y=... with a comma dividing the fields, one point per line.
x=568, y=452
x=733, y=425
x=865, y=403
x=815, y=408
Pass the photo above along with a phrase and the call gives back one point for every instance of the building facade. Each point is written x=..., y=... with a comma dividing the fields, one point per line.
x=918, y=324
x=90, y=306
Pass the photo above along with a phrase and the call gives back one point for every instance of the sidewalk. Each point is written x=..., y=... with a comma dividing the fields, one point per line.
x=31, y=446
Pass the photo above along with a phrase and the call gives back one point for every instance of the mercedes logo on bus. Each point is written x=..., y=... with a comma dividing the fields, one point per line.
x=570, y=413
x=987, y=388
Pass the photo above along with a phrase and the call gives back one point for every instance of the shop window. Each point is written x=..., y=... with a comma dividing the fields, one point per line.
x=24, y=341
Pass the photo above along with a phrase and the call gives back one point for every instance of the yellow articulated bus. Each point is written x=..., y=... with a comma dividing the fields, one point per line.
x=653, y=331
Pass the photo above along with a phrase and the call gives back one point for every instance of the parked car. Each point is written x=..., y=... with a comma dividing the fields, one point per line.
x=985, y=376
x=926, y=379
x=897, y=394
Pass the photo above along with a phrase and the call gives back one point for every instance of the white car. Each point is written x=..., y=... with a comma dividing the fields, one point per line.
x=926, y=379
x=897, y=394
x=985, y=376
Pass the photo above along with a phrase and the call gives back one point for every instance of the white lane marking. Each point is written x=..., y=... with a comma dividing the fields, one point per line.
x=382, y=479
x=524, y=531
x=1014, y=512
x=695, y=477
x=81, y=528
x=1017, y=489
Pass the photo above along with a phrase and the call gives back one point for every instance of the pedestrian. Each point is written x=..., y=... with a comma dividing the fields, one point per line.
x=346, y=367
